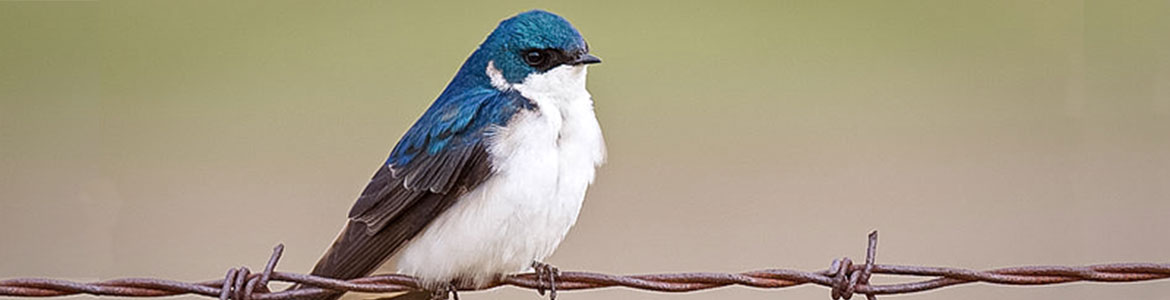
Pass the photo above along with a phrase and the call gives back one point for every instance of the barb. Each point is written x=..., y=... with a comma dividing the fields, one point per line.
x=842, y=278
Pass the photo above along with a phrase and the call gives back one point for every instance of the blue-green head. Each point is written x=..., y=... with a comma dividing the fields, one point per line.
x=532, y=42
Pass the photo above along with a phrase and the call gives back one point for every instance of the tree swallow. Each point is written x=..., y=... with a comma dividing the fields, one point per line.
x=491, y=177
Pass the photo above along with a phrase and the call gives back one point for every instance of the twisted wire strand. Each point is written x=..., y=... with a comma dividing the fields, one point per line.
x=843, y=278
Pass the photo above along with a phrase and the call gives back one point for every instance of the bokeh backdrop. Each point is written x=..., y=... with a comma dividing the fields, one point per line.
x=179, y=138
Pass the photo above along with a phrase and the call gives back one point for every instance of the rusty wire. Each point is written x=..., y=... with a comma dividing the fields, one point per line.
x=843, y=278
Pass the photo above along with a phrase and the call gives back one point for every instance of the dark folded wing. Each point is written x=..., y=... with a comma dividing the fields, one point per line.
x=358, y=250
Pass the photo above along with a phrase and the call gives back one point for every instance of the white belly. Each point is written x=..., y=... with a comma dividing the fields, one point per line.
x=543, y=161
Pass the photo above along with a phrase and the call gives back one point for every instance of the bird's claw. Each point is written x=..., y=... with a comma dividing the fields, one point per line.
x=546, y=273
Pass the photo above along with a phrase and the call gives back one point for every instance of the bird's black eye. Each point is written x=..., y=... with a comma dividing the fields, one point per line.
x=534, y=58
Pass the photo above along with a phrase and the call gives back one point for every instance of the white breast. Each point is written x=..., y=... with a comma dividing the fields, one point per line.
x=543, y=161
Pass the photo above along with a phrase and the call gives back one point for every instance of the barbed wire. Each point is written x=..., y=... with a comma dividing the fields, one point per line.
x=843, y=278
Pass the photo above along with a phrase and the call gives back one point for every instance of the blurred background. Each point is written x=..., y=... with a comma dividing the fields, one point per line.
x=178, y=139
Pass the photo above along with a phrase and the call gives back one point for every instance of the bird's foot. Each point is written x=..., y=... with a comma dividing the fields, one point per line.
x=546, y=273
x=447, y=291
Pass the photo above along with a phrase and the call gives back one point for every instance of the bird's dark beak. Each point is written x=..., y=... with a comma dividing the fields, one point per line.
x=586, y=59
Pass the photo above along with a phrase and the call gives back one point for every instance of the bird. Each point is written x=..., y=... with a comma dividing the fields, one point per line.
x=490, y=178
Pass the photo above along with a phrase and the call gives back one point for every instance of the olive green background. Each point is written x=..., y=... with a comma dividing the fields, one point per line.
x=177, y=139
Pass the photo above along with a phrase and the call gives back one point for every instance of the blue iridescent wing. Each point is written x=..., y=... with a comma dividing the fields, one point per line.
x=443, y=153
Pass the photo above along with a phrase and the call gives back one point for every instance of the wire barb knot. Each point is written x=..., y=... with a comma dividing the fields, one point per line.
x=847, y=279
x=238, y=286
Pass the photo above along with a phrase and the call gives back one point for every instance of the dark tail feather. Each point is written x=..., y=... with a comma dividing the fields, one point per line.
x=356, y=253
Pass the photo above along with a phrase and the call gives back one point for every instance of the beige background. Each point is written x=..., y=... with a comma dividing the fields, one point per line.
x=177, y=139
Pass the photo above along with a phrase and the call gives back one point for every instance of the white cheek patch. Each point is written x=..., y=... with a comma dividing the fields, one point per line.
x=563, y=82
x=556, y=80
x=497, y=77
